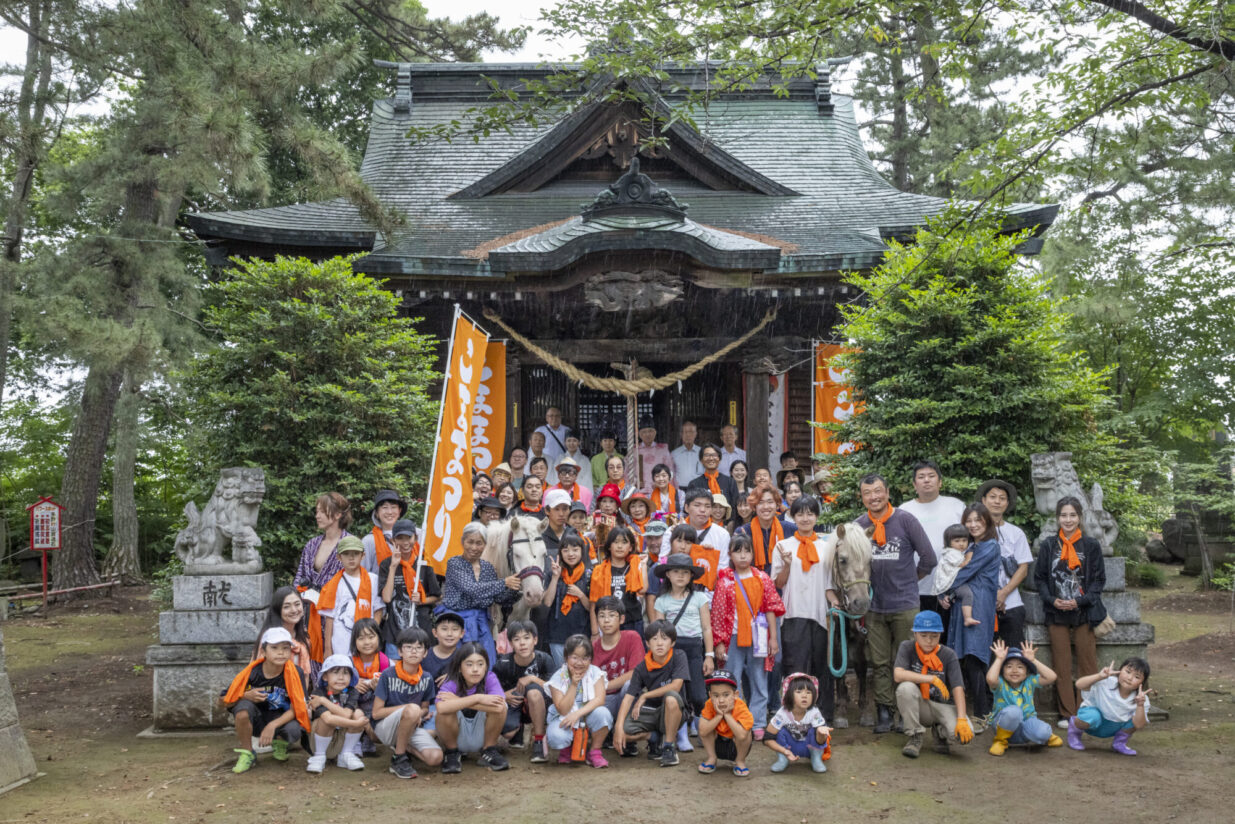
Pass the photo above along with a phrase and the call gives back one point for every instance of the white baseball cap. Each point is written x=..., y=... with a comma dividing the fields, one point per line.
x=556, y=497
x=276, y=635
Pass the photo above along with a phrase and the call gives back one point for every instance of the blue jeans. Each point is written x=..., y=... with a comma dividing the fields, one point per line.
x=1099, y=726
x=559, y=739
x=801, y=749
x=1032, y=730
x=558, y=653
x=739, y=660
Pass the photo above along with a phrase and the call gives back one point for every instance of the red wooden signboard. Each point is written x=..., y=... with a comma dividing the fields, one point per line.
x=44, y=531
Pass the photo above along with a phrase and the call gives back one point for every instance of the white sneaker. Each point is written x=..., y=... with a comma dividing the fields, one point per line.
x=317, y=764
x=350, y=761
x=1062, y=723
x=683, y=742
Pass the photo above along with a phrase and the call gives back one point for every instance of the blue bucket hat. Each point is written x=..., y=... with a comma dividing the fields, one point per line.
x=928, y=621
x=1015, y=654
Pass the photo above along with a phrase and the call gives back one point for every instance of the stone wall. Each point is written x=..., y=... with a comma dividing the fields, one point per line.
x=1130, y=637
x=16, y=760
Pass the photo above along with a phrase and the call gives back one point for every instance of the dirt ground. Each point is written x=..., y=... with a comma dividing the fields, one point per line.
x=83, y=694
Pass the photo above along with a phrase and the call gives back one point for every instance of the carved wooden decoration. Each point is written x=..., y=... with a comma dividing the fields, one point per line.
x=625, y=291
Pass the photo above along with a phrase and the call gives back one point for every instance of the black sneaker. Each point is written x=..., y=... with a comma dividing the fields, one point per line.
x=493, y=759
x=653, y=750
x=668, y=755
x=401, y=766
x=538, y=752
x=630, y=750
x=452, y=762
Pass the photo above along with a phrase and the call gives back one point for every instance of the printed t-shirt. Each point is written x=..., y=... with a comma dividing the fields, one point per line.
x=396, y=692
x=623, y=658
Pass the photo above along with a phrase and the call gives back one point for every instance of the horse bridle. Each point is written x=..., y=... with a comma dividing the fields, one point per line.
x=510, y=559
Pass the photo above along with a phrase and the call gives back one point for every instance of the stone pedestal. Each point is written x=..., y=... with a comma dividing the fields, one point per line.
x=204, y=640
x=16, y=761
x=1129, y=638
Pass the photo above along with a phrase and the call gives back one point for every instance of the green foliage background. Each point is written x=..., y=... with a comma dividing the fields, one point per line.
x=961, y=358
x=318, y=381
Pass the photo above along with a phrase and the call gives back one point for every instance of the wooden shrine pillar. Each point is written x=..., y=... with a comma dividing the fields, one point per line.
x=514, y=402
x=756, y=379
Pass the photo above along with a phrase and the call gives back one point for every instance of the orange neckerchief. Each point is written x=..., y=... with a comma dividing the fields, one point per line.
x=364, y=595
x=574, y=490
x=775, y=535
x=713, y=483
x=291, y=680
x=930, y=663
x=409, y=574
x=412, y=679
x=602, y=579
x=364, y=671
x=1067, y=551
x=380, y=547
x=539, y=507
x=571, y=577
x=807, y=554
x=711, y=560
x=881, y=536
x=754, y=591
x=589, y=545
x=671, y=494
x=652, y=665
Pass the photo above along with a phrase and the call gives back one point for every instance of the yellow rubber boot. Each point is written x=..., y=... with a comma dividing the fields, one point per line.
x=1000, y=744
x=1054, y=741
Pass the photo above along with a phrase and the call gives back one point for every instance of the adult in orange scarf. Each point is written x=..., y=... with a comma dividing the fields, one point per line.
x=930, y=690
x=319, y=563
x=714, y=480
x=902, y=556
x=388, y=507
x=1070, y=575
x=804, y=577
x=267, y=699
x=767, y=528
x=666, y=497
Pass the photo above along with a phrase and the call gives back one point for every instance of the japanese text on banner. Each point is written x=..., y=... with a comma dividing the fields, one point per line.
x=448, y=504
x=489, y=413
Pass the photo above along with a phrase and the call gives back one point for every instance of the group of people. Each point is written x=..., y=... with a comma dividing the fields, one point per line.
x=666, y=618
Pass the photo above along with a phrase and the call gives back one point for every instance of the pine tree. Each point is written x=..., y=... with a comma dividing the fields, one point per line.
x=208, y=102
x=319, y=382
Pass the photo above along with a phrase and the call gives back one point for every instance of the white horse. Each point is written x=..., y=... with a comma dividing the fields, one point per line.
x=515, y=547
x=848, y=551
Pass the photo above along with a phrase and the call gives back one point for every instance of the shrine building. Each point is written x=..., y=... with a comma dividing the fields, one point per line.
x=600, y=247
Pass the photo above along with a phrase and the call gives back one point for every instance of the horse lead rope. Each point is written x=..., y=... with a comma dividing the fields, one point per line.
x=836, y=626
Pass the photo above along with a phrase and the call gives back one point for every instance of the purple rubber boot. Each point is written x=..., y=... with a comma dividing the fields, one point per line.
x=1074, y=735
x=1120, y=743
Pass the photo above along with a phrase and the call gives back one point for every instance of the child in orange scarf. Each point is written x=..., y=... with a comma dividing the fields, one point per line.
x=744, y=593
x=653, y=706
x=622, y=574
x=566, y=596
x=268, y=695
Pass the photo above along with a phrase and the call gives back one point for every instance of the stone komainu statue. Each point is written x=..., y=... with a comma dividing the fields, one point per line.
x=1054, y=477
x=229, y=518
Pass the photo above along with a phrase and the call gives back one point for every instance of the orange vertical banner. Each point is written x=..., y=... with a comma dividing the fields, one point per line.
x=489, y=413
x=448, y=501
x=834, y=402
